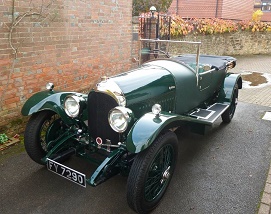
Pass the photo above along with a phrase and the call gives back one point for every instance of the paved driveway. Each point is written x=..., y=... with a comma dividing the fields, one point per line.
x=260, y=94
x=222, y=172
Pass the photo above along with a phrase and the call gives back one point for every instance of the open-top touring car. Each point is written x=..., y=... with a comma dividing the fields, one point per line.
x=130, y=119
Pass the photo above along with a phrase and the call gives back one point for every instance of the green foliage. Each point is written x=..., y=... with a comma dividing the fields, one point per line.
x=142, y=6
x=3, y=138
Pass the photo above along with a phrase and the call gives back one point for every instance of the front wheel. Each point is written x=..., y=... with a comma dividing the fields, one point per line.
x=151, y=173
x=228, y=114
x=39, y=132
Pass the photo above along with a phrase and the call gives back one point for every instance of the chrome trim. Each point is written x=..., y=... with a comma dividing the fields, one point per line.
x=112, y=88
x=50, y=86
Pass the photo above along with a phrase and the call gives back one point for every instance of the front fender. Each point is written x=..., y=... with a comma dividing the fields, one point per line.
x=147, y=128
x=225, y=94
x=47, y=100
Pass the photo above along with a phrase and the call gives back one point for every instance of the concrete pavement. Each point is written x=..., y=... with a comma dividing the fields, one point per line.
x=221, y=172
x=261, y=95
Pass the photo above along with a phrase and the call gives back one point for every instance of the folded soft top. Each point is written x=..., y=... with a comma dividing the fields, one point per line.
x=218, y=62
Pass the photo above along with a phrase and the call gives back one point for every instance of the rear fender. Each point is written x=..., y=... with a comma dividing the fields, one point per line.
x=147, y=128
x=226, y=93
x=47, y=100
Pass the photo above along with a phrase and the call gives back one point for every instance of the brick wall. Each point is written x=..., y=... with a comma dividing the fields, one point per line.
x=173, y=9
x=227, y=9
x=266, y=16
x=240, y=10
x=194, y=8
x=71, y=43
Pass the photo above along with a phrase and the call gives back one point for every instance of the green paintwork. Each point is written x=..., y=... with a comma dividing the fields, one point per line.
x=60, y=143
x=146, y=86
x=149, y=126
x=48, y=100
x=226, y=93
x=145, y=130
x=188, y=94
x=170, y=83
x=101, y=174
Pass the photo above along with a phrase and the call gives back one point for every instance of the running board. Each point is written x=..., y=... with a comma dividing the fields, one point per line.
x=209, y=115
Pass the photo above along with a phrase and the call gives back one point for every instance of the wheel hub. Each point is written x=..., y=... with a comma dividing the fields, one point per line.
x=166, y=175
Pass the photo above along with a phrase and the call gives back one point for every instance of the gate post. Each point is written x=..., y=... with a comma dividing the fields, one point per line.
x=148, y=28
x=135, y=42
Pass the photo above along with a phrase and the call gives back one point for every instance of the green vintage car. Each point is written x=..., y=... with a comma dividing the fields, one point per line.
x=126, y=124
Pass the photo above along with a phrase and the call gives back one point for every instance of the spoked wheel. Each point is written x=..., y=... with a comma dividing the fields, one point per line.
x=151, y=173
x=228, y=114
x=41, y=128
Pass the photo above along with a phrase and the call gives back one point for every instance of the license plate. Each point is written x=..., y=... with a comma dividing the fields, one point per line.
x=66, y=172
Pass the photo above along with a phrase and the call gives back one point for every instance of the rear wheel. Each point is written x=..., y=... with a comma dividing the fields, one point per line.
x=228, y=114
x=41, y=128
x=151, y=173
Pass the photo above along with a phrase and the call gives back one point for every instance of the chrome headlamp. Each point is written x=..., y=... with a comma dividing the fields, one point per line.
x=119, y=118
x=72, y=105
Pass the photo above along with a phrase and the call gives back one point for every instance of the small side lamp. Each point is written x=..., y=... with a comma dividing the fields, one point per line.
x=152, y=10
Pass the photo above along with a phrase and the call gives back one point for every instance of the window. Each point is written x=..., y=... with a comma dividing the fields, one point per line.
x=266, y=5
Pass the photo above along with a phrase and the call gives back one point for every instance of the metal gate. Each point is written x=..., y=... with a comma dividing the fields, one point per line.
x=163, y=31
x=155, y=27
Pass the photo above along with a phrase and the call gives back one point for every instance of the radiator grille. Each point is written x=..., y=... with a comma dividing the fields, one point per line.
x=99, y=104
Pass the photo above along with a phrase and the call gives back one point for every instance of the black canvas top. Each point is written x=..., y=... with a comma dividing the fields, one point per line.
x=218, y=62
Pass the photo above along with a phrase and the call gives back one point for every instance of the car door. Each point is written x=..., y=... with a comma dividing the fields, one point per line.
x=205, y=79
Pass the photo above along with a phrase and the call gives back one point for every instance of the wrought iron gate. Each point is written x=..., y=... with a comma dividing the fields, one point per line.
x=163, y=31
x=155, y=27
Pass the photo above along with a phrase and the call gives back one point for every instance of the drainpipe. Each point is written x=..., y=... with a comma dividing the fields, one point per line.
x=177, y=9
x=216, y=9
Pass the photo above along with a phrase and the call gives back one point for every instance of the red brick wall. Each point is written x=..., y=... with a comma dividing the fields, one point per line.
x=173, y=7
x=228, y=9
x=194, y=8
x=240, y=10
x=266, y=16
x=69, y=43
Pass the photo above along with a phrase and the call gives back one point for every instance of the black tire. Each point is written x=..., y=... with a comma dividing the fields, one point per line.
x=35, y=137
x=228, y=114
x=151, y=173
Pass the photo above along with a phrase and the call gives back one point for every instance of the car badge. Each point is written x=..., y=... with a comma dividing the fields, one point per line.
x=99, y=141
